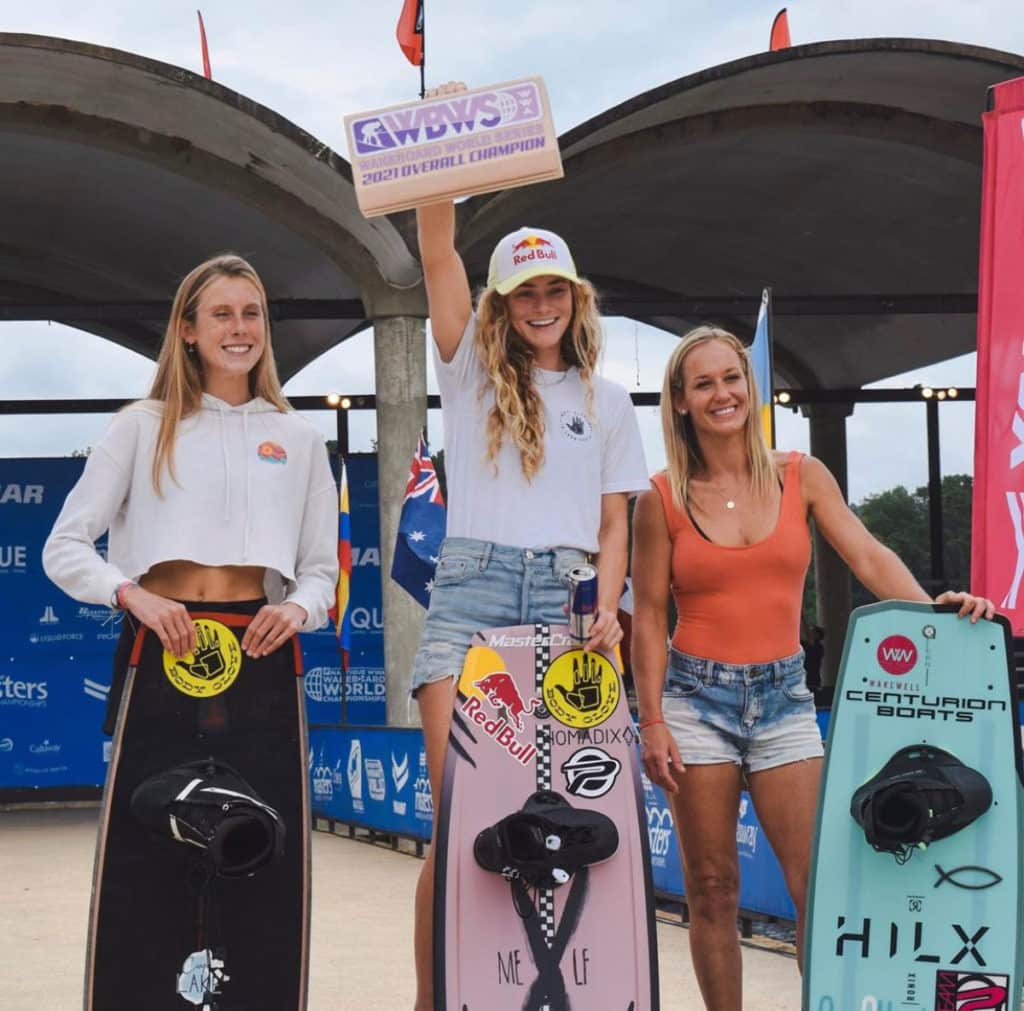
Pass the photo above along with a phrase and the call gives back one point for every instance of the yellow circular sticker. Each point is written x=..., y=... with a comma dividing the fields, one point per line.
x=581, y=689
x=211, y=667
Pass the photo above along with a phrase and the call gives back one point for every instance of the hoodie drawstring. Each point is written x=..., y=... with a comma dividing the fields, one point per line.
x=227, y=465
x=245, y=517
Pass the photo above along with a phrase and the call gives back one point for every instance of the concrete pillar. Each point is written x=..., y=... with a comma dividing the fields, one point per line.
x=400, y=372
x=832, y=577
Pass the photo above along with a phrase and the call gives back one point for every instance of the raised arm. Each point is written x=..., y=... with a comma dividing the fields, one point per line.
x=448, y=296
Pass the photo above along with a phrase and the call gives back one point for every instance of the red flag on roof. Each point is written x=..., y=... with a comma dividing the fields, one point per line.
x=780, y=32
x=206, y=51
x=410, y=31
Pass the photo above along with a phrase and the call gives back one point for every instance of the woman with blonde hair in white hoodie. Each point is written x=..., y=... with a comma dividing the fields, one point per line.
x=222, y=516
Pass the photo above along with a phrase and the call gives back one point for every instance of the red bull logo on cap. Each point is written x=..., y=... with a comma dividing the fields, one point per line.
x=530, y=242
x=533, y=247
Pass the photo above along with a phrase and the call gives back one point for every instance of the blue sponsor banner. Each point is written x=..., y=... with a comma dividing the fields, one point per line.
x=364, y=685
x=762, y=888
x=372, y=776
x=56, y=653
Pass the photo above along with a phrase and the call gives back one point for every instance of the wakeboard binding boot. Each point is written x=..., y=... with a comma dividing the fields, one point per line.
x=920, y=795
x=546, y=842
x=208, y=805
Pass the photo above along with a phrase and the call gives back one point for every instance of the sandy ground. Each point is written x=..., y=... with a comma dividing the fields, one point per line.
x=361, y=935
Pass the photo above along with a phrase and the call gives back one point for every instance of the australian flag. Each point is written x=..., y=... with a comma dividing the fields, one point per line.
x=420, y=528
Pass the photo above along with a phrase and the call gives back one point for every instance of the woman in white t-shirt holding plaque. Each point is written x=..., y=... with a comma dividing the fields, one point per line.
x=541, y=455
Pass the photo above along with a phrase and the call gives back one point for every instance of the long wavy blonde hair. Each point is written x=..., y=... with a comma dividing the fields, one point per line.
x=683, y=452
x=179, y=375
x=508, y=361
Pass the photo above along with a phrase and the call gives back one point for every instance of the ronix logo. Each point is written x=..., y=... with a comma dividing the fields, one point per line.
x=896, y=655
x=429, y=122
x=13, y=558
x=21, y=494
x=31, y=694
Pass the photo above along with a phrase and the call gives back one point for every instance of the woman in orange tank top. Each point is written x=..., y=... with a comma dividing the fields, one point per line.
x=724, y=529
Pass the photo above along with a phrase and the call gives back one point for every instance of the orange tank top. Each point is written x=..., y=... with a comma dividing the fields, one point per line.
x=740, y=604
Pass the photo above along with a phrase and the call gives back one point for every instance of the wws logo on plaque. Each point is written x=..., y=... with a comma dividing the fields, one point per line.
x=492, y=138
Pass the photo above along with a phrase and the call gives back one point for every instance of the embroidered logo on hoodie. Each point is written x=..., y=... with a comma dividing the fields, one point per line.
x=271, y=452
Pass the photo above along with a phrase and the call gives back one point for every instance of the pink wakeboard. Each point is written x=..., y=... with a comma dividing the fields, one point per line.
x=534, y=712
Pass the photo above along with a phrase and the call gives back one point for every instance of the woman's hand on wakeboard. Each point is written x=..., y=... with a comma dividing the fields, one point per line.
x=976, y=607
x=272, y=627
x=168, y=618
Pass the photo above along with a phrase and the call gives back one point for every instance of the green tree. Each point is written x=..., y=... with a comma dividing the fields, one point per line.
x=899, y=519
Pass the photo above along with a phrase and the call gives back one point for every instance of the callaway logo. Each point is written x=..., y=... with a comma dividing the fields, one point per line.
x=590, y=772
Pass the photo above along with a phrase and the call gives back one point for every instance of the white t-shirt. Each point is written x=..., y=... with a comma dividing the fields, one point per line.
x=254, y=487
x=584, y=458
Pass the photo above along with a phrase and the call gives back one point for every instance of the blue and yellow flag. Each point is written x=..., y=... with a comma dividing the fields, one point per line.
x=761, y=359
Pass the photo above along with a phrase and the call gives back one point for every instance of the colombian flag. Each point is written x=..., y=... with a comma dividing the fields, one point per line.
x=761, y=359
x=341, y=612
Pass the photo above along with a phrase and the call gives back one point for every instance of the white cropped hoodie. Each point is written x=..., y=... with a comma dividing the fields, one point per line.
x=254, y=487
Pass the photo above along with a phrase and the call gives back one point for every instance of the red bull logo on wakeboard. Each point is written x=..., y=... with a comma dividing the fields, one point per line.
x=500, y=690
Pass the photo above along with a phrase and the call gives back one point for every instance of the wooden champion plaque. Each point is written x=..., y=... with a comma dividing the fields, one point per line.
x=455, y=145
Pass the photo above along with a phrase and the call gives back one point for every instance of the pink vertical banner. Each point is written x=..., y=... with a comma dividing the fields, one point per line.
x=997, y=535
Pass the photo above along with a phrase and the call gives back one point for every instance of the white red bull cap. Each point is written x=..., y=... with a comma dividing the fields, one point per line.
x=526, y=253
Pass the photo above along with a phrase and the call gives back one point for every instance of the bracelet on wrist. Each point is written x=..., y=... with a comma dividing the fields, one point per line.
x=649, y=723
x=115, y=600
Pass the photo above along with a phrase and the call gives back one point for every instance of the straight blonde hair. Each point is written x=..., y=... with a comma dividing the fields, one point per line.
x=508, y=362
x=682, y=447
x=179, y=376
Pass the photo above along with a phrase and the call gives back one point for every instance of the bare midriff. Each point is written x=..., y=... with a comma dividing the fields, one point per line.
x=181, y=580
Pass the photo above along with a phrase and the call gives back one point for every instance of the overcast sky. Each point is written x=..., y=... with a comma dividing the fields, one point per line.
x=314, y=62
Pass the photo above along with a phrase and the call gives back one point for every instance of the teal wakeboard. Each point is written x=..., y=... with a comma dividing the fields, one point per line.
x=924, y=759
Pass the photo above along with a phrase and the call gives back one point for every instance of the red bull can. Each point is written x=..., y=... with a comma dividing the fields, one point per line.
x=582, y=601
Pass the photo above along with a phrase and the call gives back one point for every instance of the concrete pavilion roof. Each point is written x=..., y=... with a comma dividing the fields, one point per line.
x=835, y=169
x=118, y=174
x=846, y=175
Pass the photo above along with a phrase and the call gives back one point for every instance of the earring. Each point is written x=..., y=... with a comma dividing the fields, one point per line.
x=191, y=349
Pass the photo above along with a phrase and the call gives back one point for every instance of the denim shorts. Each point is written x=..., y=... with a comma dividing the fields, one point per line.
x=483, y=585
x=757, y=716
